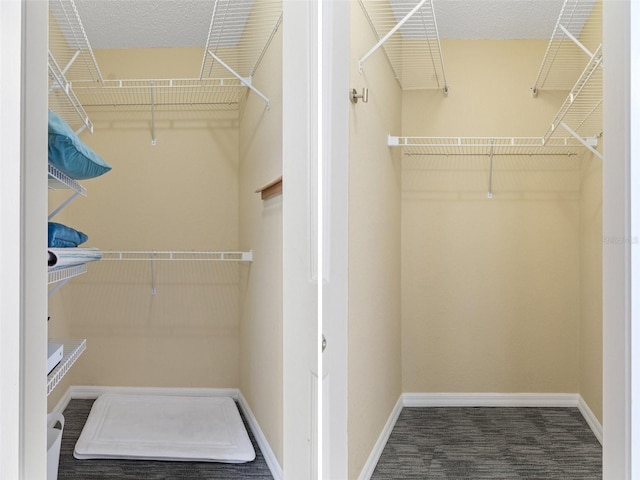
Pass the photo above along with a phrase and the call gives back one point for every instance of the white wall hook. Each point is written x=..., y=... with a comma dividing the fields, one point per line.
x=353, y=95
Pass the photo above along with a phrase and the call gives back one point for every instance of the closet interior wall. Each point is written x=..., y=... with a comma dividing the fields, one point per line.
x=190, y=191
x=499, y=295
x=374, y=370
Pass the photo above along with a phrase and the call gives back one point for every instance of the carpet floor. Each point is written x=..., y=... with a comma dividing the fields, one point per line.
x=490, y=443
x=69, y=468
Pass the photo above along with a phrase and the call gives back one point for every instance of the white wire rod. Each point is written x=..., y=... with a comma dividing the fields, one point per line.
x=389, y=34
x=153, y=115
x=64, y=86
x=245, y=81
x=134, y=255
x=71, y=36
x=63, y=205
x=490, y=192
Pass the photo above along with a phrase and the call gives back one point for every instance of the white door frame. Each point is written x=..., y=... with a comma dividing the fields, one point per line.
x=335, y=70
x=23, y=227
x=621, y=233
x=299, y=238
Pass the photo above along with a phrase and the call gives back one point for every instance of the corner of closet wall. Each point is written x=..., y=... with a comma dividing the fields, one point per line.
x=374, y=369
x=591, y=245
x=260, y=230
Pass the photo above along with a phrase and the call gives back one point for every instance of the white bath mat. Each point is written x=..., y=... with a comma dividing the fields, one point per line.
x=158, y=427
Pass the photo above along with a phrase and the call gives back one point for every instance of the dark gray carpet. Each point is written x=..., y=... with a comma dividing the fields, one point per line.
x=490, y=443
x=75, y=416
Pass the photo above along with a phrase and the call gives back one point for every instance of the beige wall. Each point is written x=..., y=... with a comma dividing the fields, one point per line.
x=374, y=375
x=591, y=284
x=181, y=194
x=490, y=288
x=261, y=231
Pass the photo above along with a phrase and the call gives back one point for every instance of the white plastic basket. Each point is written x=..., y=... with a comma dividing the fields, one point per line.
x=54, y=439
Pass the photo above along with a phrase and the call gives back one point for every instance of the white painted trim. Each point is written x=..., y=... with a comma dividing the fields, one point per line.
x=92, y=392
x=590, y=418
x=374, y=456
x=263, y=443
x=63, y=402
x=490, y=399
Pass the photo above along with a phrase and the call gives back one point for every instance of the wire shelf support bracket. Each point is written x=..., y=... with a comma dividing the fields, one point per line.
x=58, y=180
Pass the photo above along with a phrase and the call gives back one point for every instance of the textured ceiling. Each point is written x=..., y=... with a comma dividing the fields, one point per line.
x=185, y=23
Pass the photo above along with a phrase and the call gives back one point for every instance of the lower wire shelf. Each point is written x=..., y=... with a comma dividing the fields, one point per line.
x=72, y=350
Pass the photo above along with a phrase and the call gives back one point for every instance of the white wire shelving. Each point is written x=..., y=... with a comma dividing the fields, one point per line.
x=151, y=255
x=174, y=256
x=574, y=41
x=72, y=349
x=70, y=58
x=407, y=32
x=239, y=34
x=573, y=61
x=61, y=275
x=526, y=148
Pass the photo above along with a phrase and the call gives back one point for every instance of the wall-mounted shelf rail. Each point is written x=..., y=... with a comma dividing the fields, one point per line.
x=131, y=255
x=174, y=256
x=489, y=147
x=72, y=351
x=239, y=34
x=574, y=41
x=407, y=32
x=512, y=146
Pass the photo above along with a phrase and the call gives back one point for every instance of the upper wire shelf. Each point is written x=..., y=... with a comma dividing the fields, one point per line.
x=408, y=33
x=575, y=39
x=162, y=94
x=239, y=34
x=512, y=146
x=70, y=58
x=581, y=112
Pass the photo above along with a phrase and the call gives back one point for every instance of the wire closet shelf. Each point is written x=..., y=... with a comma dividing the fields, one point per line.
x=407, y=32
x=240, y=33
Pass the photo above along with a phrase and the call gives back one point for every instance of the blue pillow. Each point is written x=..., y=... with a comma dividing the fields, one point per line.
x=61, y=236
x=69, y=154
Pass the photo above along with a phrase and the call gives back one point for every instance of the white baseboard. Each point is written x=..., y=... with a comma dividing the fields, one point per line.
x=590, y=418
x=372, y=461
x=490, y=399
x=93, y=392
x=267, y=452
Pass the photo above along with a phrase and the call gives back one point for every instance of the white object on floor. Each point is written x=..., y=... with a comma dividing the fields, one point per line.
x=54, y=440
x=164, y=427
